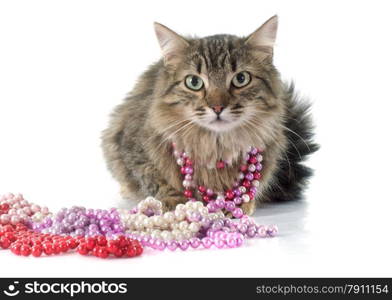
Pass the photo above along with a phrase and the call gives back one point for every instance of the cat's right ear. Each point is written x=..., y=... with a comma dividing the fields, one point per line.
x=264, y=37
x=172, y=44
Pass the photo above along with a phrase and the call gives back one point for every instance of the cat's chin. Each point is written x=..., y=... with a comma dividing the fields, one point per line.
x=219, y=125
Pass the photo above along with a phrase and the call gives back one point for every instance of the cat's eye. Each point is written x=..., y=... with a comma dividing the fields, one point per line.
x=194, y=82
x=241, y=79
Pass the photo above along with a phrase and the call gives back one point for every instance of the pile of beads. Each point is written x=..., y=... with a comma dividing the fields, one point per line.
x=101, y=247
x=22, y=241
x=18, y=231
x=27, y=228
x=182, y=223
x=79, y=221
x=189, y=225
x=243, y=191
x=15, y=209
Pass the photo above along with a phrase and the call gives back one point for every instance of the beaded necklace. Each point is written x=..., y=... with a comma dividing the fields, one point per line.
x=26, y=228
x=244, y=189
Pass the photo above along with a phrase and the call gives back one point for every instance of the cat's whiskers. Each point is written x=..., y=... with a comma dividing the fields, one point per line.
x=169, y=137
x=183, y=135
x=173, y=124
x=258, y=123
x=250, y=128
x=292, y=131
x=189, y=122
x=291, y=142
x=266, y=133
x=254, y=122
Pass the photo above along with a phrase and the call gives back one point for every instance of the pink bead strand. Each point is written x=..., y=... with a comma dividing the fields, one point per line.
x=243, y=191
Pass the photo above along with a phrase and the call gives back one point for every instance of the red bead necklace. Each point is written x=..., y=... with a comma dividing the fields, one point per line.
x=23, y=241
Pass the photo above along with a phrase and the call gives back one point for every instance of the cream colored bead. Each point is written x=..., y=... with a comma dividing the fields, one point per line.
x=174, y=226
x=203, y=211
x=149, y=200
x=194, y=227
x=167, y=235
x=191, y=205
x=179, y=236
x=153, y=219
x=199, y=204
x=180, y=207
x=156, y=234
x=189, y=213
x=141, y=206
x=129, y=225
x=148, y=223
x=159, y=221
x=136, y=225
x=180, y=161
x=140, y=218
x=242, y=189
x=187, y=234
x=180, y=215
x=169, y=217
x=245, y=198
x=158, y=204
x=183, y=225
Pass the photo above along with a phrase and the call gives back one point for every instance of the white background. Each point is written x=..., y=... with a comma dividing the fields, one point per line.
x=64, y=65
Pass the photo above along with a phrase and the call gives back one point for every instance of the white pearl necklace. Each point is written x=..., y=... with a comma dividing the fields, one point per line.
x=181, y=224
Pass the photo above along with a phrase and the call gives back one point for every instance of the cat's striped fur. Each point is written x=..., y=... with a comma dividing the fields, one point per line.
x=161, y=109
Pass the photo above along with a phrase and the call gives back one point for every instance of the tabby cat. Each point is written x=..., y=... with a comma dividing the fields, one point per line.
x=213, y=97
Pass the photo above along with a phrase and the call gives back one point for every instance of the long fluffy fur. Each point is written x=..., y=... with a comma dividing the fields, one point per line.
x=291, y=176
x=136, y=144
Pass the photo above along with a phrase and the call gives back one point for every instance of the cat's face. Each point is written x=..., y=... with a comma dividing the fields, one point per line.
x=219, y=82
x=220, y=85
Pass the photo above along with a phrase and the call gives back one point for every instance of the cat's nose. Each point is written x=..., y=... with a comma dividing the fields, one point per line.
x=217, y=109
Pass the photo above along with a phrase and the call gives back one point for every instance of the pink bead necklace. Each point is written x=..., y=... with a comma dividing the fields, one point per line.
x=243, y=191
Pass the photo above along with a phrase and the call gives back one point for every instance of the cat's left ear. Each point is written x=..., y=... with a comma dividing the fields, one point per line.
x=264, y=37
x=172, y=44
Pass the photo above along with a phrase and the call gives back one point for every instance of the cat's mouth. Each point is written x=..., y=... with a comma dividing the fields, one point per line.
x=219, y=124
x=219, y=121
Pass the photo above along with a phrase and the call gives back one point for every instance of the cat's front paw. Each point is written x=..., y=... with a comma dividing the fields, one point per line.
x=130, y=192
x=249, y=208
